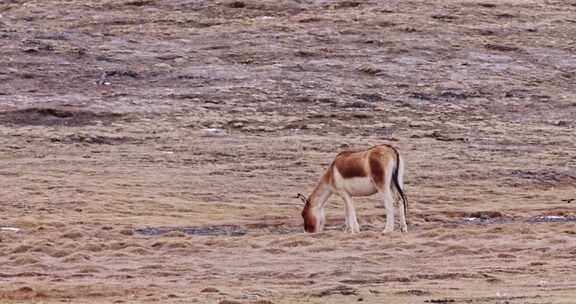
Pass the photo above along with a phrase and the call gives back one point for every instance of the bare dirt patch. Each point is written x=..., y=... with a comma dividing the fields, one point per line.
x=55, y=117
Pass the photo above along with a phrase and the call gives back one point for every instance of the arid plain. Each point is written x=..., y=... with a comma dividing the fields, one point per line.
x=151, y=150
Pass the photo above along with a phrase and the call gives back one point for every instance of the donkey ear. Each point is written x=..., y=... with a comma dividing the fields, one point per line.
x=302, y=197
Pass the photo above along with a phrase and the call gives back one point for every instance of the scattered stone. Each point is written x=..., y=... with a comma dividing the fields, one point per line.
x=210, y=290
x=445, y=18
x=341, y=289
x=252, y=297
x=127, y=232
x=501, y=48
x=361, y=115
x=421, y=124
x=345, y=4
x=552, y=219
x=304, y=53
x=229, y=302
x=370, y=70
x=26, y=289
x=313, y=126
x=494, y=280
x=163, y=66
x=505, y=256
x=446, y=300
x=487, y=5
x=237, y=125
x=122, y=73
x=262, y=302
x=440, y=136
x=21, y=249
x=206, y=231
x=359, y=104
x=258, y=129
x=236, y=4
x=9, y=229
x=213, y=132
x=92, y=139
x=414, y=292
x=485, y=215
x=139, y=2
x=36, y=46
x=72, y=235
x=45, y=116
x=175, y=234
x=370, y=97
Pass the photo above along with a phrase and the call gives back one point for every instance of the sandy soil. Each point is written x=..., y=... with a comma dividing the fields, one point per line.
x=151, y=150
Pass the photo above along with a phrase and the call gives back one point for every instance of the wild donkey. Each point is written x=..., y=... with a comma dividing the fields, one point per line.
x=379, y=169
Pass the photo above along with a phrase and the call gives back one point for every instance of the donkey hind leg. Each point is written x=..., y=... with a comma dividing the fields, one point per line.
x=385, y=191
x=388, y=202
x=402, y=215
x=352, y=225
x=403, y=205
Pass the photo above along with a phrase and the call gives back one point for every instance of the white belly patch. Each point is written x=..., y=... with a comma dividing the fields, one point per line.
x=355, y=186
x=358, y=186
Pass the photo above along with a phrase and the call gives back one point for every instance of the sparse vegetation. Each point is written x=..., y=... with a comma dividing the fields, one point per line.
x=151, y=150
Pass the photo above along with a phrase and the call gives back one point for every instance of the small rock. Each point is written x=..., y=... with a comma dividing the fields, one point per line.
x=446, y=300
x=370, y=97
x=127, y=232
x=361, y=115
x=314, y=126
x=229, y=302
x=236, y=4
x=370, y=70
x=342, y=290
x=250, y=297
x=210, y=289
x=11, y=229
x=414, y=292
x=237, y=125
x=163, y=66
x=421, y=124
x=72, y=235
x=25, y=289
x=213, y=132
x=258, y=129
x=358, y=105
x=180, y=60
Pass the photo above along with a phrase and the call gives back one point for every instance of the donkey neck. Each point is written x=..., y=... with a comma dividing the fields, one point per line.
x=319, y=195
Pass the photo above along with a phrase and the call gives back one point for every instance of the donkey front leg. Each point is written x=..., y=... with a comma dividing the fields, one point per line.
x=352, y=225
x=320, y=215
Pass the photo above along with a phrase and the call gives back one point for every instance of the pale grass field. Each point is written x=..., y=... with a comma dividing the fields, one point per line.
x=107, y=111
